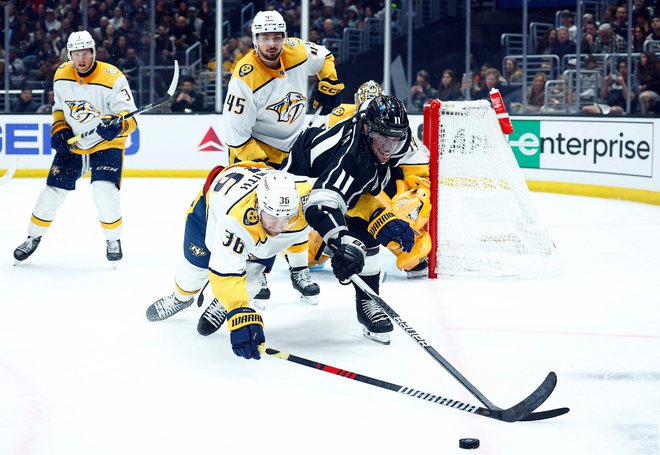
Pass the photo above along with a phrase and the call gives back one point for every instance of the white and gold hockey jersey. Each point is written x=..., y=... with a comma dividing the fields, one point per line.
x=82, y=101
x=265, y=108
x=234, y=233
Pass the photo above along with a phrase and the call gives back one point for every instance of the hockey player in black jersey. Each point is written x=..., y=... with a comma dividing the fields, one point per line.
x=352, y=163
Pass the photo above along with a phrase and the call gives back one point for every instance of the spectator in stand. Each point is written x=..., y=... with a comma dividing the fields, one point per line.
x=314, y=36
x=131, y=66
x=118, y=51
x=648, y=78
x=620, y=24
x=566, y=19
x=589, y=38
x=47, y=107
x=17, y=71
x=188, y=100
x=512, y=72
x=544, y=46
x=244, y=47
x=536, y=93
x=655, y=29
x=93, y=18
x=422, y=91
x=20, y=39
x=103, y=55
x=164, y=46
x=610, y=14
x=639, y=37
x=327, y=14
x=25, y=103
x=353, y=18
x=51, y=22
x=184, y=35
x=117, y=18
x=448, y=89
x=492, y=80
x=613, y=93
x=141, y=20
x=609, y=42
x=642, y=14
x=47, y=68
x=563, y=45
x=194, y=21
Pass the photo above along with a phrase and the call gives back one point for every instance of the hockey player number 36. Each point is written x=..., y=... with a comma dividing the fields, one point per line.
x=234, y=242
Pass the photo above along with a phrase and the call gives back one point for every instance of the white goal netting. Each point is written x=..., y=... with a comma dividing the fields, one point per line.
x=486, y=224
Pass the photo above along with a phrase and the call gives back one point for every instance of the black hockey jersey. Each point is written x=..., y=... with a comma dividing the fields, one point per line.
x=344, y=166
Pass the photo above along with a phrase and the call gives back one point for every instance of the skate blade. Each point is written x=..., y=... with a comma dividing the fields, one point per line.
x=259, y=303
x=16, y=262
x=382, y=338
x=309, y=300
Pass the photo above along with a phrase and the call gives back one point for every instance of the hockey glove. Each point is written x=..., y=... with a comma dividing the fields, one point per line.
x=348, y=257
x=110, y=127
x=60, y=133
x=386, y=228
x=327, y=95
x=246, y=332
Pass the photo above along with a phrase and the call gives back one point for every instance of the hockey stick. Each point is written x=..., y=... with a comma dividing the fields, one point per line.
x=525, y=407
x=316, y=115
x=512, y=414
x=148, y=107
x=10, y=172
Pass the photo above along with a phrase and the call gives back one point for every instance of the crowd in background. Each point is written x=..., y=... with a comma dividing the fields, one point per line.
x=121, y=28
x=610, y=34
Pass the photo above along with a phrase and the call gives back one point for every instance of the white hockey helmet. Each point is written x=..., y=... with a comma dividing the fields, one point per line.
x=368, y=91
x=277, y=202
x=80, y=40
x=267, y=22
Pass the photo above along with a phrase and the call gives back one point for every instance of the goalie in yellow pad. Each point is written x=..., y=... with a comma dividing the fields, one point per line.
x=408, y=197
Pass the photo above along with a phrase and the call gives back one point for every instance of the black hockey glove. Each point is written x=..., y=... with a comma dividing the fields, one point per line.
x=246, y=332
x=110, y=127
x=386, y=228
x=60, y=133
x=327, y=95
x=348, y=257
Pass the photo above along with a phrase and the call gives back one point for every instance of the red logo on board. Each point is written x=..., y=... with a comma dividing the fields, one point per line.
x=210, y=143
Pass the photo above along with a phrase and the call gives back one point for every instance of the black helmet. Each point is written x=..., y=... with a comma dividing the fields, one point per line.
x=387, y=115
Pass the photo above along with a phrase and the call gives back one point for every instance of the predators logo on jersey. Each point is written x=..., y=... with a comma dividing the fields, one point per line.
x=82, y=111
x=289, y=108
x=250, y=218
x=197, y=250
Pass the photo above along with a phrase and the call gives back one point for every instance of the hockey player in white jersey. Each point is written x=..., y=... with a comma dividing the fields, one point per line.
x=246, y=214
x=266, y=99
x=88, y=94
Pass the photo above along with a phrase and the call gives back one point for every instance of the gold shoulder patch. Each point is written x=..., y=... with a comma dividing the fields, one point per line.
x=112, y=71
x=338, y=111
x=250, y=218
x=293, y=41
x=245, y=69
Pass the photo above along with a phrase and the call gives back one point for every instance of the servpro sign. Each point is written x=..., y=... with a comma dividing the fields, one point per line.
x=623, y=148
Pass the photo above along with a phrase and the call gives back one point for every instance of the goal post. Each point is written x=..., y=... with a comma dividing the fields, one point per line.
x=483, y=221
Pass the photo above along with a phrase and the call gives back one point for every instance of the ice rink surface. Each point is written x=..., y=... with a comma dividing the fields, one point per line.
x=83, y=372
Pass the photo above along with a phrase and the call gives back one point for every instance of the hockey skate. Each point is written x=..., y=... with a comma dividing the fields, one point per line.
x=166, y=307
x=375, y=323
x=113, y=250
x=26, y=249
x=421, y=270
x=212, y=318
x=262, y=297
x=302, y=282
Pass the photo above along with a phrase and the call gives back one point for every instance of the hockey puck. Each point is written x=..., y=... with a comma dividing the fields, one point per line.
x=468, y=443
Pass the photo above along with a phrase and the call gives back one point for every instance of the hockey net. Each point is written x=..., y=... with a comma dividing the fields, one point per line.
x=483, y=222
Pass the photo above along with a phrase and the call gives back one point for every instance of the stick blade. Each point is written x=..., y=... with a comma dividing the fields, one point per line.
x=175, y=79
x=542, y=415
x=533, y=401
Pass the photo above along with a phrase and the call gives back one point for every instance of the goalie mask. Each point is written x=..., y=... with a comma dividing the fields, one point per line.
x=277, y=202
x=368, y=91
x=386, y=128
x=268, y=22
x=79, y=41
